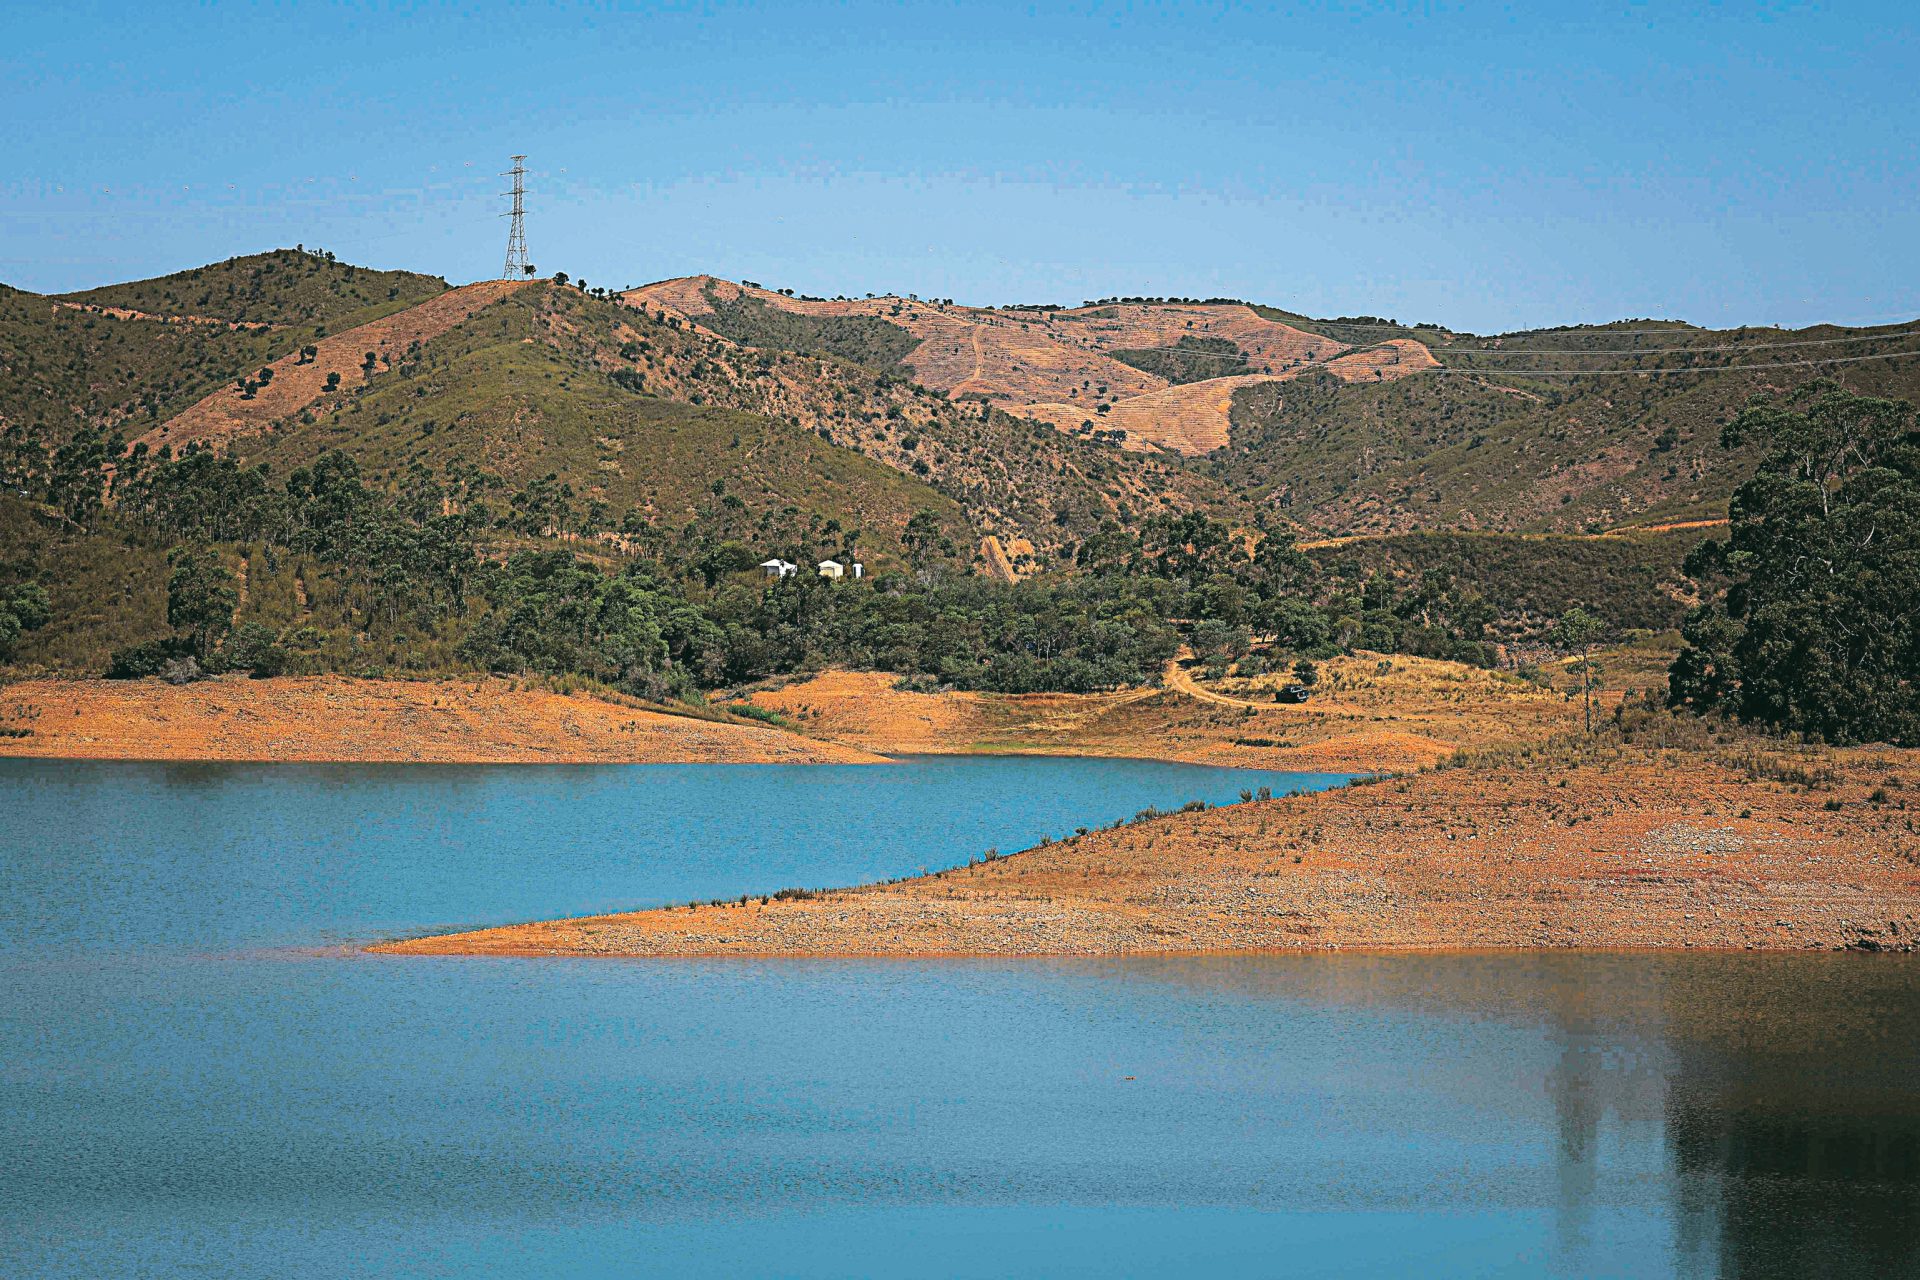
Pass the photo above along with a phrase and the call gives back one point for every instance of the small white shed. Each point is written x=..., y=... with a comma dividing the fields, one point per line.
x=832, y=569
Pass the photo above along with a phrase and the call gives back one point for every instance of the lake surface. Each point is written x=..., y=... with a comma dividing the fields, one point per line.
x=200, y=1077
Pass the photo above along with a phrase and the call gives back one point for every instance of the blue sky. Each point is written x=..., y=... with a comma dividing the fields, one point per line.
x=1489, y=167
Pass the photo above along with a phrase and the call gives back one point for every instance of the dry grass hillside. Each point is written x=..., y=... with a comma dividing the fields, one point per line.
x=1034, y=489
x=1059, y=366
x=299, y=383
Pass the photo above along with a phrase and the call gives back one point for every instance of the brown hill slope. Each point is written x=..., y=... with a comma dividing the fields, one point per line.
x=296, y=385
x=1018, y=480
x=1056, y=365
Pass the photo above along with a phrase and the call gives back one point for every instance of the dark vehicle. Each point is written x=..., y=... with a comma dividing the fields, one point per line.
x=1292, y=693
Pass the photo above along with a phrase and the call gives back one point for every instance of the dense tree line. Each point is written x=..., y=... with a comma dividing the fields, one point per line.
x=1816, y=631
x=670, y=611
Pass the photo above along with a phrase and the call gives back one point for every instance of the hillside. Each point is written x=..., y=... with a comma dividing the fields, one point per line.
x=340, y=360
x=1033, y=488
x=1498, y=450
x=1357, y=424
x=509, y=392
x=129, y=357
x=1632, y=580
x=63, y=369
x=1086, y=370
x=281, y=287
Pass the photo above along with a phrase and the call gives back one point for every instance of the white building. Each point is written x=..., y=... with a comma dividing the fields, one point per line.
x=778, y=568
x=832, y=569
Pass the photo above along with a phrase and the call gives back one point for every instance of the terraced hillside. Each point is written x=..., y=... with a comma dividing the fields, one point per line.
x=1061, y=366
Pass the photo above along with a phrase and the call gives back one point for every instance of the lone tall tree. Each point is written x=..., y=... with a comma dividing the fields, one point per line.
x=1578, y=630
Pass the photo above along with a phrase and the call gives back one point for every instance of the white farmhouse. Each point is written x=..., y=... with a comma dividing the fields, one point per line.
x=778, y=568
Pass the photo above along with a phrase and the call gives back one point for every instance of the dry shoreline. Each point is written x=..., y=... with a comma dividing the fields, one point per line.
x=1367, y=722
x=335, y=719
x=1535, y=841
x=1621, y=847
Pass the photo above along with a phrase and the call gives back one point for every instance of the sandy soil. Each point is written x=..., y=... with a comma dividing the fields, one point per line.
x=1408, y=716
x=1618, y=846
x=333, y=718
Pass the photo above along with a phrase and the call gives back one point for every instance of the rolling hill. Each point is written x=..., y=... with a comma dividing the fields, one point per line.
x=1086, y=370
x=1480, y=444
x=704, y=411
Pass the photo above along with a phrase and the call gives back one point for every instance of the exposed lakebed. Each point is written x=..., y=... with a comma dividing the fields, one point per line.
x=201, y=1077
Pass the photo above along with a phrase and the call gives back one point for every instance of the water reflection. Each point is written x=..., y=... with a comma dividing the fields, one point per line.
x=1784, y=1089
x=183, y=1098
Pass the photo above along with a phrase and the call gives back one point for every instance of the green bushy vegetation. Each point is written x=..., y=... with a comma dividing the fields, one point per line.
x=62, y=369
x=284, y=287
x=863, y=340
x=1510, y=453
x=1634, y=581
x=1816, y=631
x=1188, y=360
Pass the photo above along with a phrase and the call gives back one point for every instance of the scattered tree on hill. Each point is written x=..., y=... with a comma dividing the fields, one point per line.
x=1817, y=631
x=22, y=608
x=1580, y=631
x=201, y=598
x=923, y=540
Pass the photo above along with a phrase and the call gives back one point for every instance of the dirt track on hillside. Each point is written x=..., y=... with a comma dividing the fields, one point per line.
x=1407, y=716
x=1055, y=366
x=295, y=386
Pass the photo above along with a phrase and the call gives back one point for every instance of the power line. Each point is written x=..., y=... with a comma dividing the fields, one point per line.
x=1668, y=351
x=1599, y=330
x=1623, y=373
x=1650, y=351
x=1553, y=351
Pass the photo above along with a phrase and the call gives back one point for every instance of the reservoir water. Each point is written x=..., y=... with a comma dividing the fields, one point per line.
x=200, y=1075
